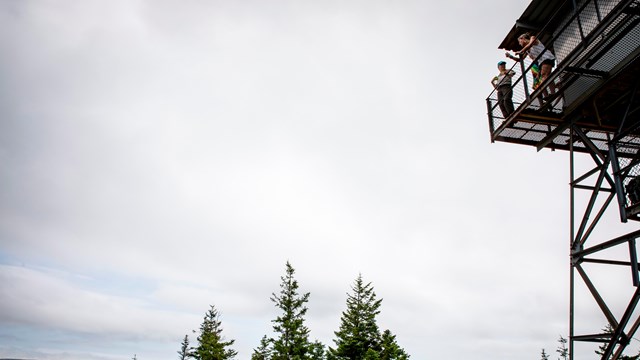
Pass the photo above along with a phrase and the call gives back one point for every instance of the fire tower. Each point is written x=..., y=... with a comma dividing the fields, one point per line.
x=589, y=105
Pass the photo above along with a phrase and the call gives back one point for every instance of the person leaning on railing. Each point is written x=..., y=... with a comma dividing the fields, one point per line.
x=543, y=60
x=502, y=84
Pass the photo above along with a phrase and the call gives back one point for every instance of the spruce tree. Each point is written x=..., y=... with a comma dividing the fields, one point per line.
x=262, y=352
x=317, y=351
x=543, y=355
x=184, y=352
x=211, y=344
x=292, y=342
x=371, y=355
x=562, y=348
x=390, y=350
x=358, y=337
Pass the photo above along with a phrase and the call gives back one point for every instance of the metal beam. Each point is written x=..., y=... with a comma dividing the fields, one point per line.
x=593, y=337
x=622, y=208
x=588, y=72
x=607, y=244
x=630, y=334
x=549, y=138
x=596, y=295
x=619, y=337
x=633, y=257
x=606, y=262
x=598, y=217
x=626, y=112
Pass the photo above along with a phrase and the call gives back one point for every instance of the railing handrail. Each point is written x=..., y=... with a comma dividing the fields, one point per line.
x=571, y=56
x=537, y=35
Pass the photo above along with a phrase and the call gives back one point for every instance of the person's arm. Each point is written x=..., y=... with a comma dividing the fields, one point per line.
x=515, y=58
x=493, y=82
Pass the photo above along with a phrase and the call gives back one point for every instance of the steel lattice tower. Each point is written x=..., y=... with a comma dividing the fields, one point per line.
x=589, y=105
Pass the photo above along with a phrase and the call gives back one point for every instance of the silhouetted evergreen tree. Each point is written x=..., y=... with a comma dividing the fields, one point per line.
x=543, y=355
x=292, y=342
x=262, y=352
x=185, y=351
x=358, y=337
x=317, y=351
x=390, y=348
x=211, y=344
x=562, y=349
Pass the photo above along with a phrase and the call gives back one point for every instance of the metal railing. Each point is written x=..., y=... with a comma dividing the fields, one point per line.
x=577, y=42
x=625, y=159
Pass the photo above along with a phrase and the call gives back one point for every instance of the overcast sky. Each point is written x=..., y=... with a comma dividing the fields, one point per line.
x=157, y=157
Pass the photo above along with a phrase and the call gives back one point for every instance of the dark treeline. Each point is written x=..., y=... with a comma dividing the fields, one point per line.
x=358, y=337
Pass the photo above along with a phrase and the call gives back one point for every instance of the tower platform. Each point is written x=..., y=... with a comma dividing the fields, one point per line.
x=594, y=85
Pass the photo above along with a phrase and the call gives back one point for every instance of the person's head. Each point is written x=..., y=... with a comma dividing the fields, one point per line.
x=502, y=66
x=524, y=39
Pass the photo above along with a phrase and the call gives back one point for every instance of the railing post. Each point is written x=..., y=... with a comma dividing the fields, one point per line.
x=524, y=80
x=490, y=114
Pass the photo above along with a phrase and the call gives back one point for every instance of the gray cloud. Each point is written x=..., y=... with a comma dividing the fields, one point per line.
x=158, y=157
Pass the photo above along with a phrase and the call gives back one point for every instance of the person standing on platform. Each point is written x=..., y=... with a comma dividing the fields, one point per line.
x=543, y=60
x=502, y=84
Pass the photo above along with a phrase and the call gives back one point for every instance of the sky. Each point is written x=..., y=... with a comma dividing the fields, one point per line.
x=158, y=157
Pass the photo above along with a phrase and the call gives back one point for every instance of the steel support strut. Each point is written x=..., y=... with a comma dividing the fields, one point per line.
x=601, y=187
